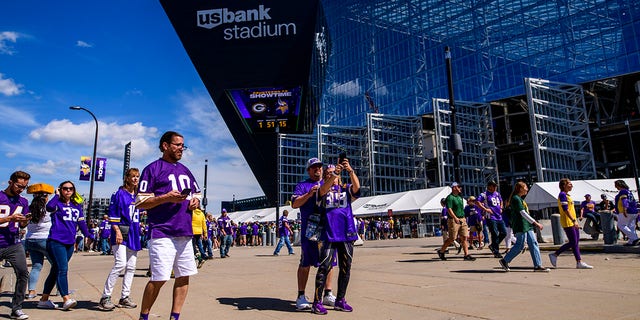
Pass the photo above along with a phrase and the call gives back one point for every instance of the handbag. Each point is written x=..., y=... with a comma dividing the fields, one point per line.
x=124, y=230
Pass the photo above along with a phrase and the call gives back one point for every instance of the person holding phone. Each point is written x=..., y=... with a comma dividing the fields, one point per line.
x=125, y=241
x=15, y=211
x=163, y=193
x=66, y=216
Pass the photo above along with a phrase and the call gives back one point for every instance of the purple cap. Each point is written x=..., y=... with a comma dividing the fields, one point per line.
x=224, y=210
x=313, y=162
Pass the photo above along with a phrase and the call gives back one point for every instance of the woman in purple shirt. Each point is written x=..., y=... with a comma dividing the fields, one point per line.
x=66, y=216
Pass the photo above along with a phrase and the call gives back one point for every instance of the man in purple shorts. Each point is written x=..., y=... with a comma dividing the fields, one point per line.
x=169, y=193
x=305, y=198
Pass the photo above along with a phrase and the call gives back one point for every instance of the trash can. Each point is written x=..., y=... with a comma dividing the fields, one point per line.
x=556, y=229
x=607, y=224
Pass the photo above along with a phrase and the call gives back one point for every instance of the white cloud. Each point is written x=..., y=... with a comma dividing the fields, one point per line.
x=10, y=154
x=350, y=88
x=14, y=117
x=83, y=44
x=8, y=87
x=5, y=38
x=112, y=137
x=51, y=167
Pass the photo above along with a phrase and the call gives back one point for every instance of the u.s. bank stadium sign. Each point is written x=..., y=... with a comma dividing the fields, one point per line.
x=245, y=24
x=370, y=206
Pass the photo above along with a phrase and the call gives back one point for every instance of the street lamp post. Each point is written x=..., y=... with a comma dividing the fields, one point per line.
x=633, y=156
x=93, y=159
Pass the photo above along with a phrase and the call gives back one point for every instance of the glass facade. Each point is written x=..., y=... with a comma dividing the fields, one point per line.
x=393, y=50
x=387, y=59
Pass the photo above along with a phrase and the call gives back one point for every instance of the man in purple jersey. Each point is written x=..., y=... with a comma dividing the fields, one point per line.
x=14, y=213
x=490, y=202
x=105, y=235
x=284, y=230
x=125, y=240
x=169, y=192
x=226, y=233
x=305, y=197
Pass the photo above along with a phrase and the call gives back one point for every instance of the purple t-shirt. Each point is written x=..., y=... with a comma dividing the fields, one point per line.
x=168, y=220
x=493, y=201
x=209, y=228
x=123, y=212
x=473, y=216
x=255, y=228
x=340, y=226
x=105, y=229
x=224, y=223
x=10, y=231
x=308, y=207
x=243, y=230
x=282, y=230
x=64, y=220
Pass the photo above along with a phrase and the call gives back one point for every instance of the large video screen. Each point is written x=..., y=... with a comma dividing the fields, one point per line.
x=264, y=109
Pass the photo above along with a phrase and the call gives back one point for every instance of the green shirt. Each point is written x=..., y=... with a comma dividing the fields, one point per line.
x=456, y=204
x=518, y=222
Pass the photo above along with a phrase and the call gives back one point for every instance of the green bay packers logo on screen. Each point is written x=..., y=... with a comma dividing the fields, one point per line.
x=245, y=24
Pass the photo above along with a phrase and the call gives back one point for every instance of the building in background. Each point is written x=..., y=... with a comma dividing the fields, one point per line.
x=542, y=89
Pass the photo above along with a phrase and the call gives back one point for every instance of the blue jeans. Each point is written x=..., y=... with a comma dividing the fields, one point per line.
x=226, y=243
x=284, y=240
x=104, y=245
x=59, y=256
x=498, y=231
x=197, y=244
x=37, y=249
x=209, y=247
x=534, y=250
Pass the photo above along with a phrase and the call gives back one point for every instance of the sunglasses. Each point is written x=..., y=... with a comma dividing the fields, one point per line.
x=67, y=188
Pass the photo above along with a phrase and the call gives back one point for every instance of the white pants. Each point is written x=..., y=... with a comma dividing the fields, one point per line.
x=628, y=225
x=166, y=254
x=509, y=239
x=125, y=259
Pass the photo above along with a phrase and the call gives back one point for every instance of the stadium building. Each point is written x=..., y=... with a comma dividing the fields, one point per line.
x=542, y=90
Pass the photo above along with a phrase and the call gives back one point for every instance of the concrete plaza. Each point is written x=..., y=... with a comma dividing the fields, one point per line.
x=391, y=279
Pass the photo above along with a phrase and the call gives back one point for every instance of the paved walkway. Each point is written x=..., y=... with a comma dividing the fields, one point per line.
x=391, y=279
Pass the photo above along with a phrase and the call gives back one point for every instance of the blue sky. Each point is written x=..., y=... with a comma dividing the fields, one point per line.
x=123, y=61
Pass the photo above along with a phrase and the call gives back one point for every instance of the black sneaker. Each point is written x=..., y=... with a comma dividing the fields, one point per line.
x=441, y=256
x=459, y=249
x=504, y=265
x=469, y=258
x=497, y=255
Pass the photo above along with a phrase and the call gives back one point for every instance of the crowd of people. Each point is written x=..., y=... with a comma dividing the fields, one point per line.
x=180, y=236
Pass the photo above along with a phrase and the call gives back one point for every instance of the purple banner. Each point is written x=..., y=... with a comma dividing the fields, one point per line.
x=101, y=169
x=85, y=168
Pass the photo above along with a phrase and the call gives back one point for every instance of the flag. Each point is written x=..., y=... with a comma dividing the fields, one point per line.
x=85, y=168
x=100, y=169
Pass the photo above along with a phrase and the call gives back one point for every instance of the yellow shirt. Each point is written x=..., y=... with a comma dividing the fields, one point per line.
x=198, y=222
x=567, y=218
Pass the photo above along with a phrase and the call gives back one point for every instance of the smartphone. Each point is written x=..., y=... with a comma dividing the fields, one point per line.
x=341, y=157
x=186, y=192
x=28, y=216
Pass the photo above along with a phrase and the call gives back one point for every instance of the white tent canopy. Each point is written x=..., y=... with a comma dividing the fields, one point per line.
x=408, y=202
x=545, y=194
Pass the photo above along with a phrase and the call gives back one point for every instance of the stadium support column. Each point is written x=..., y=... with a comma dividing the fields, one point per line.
x=633, y=156
x=278, y=154
x=455, y=140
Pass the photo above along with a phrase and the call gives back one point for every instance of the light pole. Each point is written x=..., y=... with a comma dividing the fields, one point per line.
x=93, y=159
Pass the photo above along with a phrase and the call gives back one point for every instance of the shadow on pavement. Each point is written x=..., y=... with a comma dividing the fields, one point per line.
x=259, y=303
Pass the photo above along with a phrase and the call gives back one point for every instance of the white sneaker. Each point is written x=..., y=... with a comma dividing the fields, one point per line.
x=19, y=314
x=302, y=303
x=46, y=305
x=582, y=265
x=329, y=300
x=553, y=259
x=69, y=304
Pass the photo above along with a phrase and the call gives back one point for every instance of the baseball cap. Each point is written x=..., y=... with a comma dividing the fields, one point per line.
x=455, y=184
x=312, y=162
x=587, y=195
x=224, y=210
x=492, y=183
x=471, y=198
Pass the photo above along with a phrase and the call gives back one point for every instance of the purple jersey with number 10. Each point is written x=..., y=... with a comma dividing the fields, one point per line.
x=167, y=220
x=8, y=206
